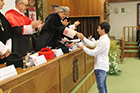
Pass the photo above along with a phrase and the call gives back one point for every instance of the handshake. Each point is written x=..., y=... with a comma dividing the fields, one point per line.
x=81, y=37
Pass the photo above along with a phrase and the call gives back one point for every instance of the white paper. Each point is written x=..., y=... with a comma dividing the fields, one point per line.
x=29, y=59
x=58, y=52
x=79, y=44
x=63, y=40
x=7, y=72
x=74, y=47
x=74, y=40
x=69, y=32
x=39, y=60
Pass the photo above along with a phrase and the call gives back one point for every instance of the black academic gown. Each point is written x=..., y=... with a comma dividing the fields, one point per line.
x=47, y=17
x=69, y=23
x=68, y=20
x=5, y=33
x=50, y=33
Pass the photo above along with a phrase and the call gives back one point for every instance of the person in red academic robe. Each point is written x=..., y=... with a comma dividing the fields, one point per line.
x=22, y=27
x=5, y=38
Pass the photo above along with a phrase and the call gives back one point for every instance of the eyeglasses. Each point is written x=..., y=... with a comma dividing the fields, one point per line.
x=25, y=4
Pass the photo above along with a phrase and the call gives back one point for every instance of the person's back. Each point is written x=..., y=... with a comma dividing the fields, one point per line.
x=53, y=9
x=50, y=32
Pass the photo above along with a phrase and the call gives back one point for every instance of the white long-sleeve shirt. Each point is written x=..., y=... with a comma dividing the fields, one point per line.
x=100, y=52
x=3, y=48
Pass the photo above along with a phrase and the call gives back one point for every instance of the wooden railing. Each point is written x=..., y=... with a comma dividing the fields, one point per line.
x=129, y=34
x=122, y=48
x=58, y=75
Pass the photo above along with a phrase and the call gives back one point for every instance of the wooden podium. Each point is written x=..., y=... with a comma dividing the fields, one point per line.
x=58, y=75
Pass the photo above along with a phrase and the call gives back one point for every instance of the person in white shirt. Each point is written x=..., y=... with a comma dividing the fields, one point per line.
x=100, y=52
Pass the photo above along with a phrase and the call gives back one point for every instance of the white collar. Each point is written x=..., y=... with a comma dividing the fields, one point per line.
x=18, y=11
x=104, y=36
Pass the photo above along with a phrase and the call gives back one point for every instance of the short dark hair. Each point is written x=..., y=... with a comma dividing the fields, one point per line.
x=105, y=25
x=53, y=6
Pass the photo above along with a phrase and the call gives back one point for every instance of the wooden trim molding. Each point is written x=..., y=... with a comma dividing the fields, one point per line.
x=113, y=1
x=85, y=16
x=138, y=15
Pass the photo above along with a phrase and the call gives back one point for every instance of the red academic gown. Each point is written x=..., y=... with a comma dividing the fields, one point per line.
x=21, y=43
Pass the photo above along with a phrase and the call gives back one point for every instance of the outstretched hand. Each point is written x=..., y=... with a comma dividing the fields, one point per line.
x=80, y=35
x=76, y=23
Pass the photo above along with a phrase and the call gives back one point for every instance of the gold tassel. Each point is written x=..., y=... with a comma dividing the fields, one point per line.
x=1, y=25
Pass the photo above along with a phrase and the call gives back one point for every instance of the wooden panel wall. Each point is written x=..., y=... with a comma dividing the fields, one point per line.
x=66, y=70
x=85, y=7
x=121, y=0
x=88, y=12
x=50, y=2
x=79, y=7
